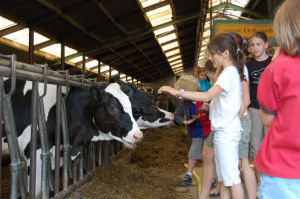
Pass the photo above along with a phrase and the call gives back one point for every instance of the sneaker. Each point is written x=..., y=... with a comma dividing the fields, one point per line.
x=187, y=180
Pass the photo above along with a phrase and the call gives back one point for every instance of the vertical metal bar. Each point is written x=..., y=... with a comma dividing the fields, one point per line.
x=99, y=152
x=57, y=139
x=66, y=145
x=99, y=71
x=106, y=152
x=75, y=163
x=109, y=72
x=45, y=153
x=31, y=46
x=94, y=149
x=11, y=134
x=81, y=165
x=83, y=65
x=62, y=57
x=33, y=141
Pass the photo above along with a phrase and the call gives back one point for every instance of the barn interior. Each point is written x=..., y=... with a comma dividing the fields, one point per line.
x=142, y=41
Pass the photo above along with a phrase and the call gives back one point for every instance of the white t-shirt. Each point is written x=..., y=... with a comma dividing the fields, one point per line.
x=224, y=108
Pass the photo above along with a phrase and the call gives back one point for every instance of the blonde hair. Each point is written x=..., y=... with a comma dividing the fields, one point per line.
x=287, y=27
x=188, y=83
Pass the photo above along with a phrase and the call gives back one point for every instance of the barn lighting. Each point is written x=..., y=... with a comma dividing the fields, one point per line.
x=173, y=58
x=76, y=59
x=173, y=52
x=91, y=64
x=159, y=10
x=5, y=23
x=104, y=68
x=167, y=38
x=175, y=62
x=170, y=46
x=164, y=30
x=148, y=3
x=234, y=14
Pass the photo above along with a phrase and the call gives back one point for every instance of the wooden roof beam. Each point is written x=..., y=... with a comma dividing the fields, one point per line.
x=11, y=29
x=101, y=7
x=73, y=22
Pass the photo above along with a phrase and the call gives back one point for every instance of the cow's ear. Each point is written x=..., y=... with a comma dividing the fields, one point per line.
x=114, y=79
x=95, y=92
x=125, y=88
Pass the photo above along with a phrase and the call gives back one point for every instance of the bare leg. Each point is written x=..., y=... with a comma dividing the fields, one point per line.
x=237, y=191
x=207, y=172
x=224, y=191
x=191, y=164
x=249, y=178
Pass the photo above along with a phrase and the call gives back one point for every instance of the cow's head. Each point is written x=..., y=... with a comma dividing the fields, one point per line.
x=142, y=105
x=158, y=119
x=145, y=112
x=113, y=116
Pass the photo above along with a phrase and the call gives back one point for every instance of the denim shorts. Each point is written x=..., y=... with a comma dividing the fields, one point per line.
x=278, y=188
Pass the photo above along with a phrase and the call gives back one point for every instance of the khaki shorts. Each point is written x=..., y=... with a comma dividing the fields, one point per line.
x=245, y=139
x=196, y=149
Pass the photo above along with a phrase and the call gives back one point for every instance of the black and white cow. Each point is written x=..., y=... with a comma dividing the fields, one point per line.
x=90, y=114
x=144, y=110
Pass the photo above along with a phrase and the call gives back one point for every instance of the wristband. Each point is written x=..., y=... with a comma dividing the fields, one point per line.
x=181, y=93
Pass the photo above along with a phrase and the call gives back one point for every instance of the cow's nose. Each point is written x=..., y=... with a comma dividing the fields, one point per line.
x=171, y=116
x=138, y=135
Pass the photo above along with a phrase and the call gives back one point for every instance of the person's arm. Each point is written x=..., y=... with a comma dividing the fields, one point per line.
x=266, y=118
x=193, y=96
x=245, y=97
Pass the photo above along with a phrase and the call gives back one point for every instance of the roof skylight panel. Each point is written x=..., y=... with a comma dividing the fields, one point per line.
x=159, y=10
x=170, y=46
x=147, y=3
x=176, y=62
x=5, y=23
x=167, y=38
x=173, y=58
x=173, y=52
x=76, y=59
x=21, y=36
x=161, y=20
x=104, y=68
x=164, y=30
x=91, y=64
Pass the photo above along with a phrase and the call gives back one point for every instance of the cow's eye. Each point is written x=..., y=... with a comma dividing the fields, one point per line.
x=125, y=88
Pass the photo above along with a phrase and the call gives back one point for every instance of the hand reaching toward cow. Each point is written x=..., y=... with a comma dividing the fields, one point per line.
x=168, y=89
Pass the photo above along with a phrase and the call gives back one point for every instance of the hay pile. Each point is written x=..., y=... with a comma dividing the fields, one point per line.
x=154, y=172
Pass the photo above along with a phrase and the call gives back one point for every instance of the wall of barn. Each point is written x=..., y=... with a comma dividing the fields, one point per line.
x=170, y=79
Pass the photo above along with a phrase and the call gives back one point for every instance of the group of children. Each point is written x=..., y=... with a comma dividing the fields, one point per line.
x=267, y=92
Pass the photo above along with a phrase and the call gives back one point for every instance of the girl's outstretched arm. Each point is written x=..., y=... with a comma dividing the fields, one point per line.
x=193, y=96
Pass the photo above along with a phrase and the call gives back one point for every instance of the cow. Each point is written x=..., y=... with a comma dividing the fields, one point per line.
x=89, y=113
x=144, y=110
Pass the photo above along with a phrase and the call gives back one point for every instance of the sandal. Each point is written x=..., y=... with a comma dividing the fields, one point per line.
x=217, y=194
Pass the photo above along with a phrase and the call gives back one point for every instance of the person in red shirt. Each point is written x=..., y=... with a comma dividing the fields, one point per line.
x=278, y=158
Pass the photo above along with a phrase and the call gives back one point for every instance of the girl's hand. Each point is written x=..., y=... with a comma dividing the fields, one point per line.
x=187, y=122
x=168, y=89
x=205, y=106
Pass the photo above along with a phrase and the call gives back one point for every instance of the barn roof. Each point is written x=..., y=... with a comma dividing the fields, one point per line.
x=144, y=39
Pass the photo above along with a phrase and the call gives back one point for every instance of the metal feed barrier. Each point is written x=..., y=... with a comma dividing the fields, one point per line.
x=96, y=154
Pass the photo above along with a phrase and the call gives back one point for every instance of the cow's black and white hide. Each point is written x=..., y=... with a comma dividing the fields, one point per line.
x=91, y=114
x=145, y=112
